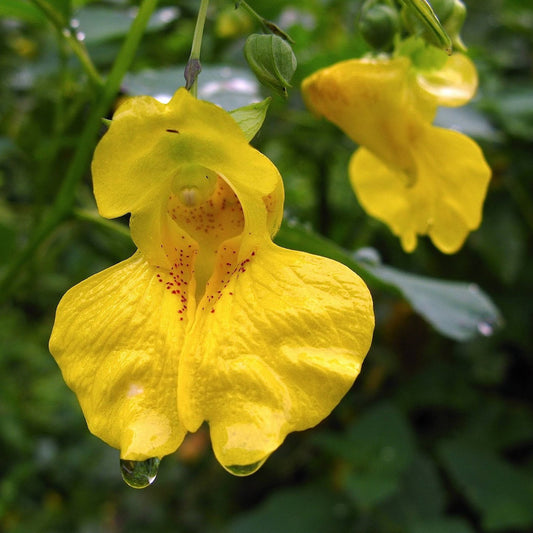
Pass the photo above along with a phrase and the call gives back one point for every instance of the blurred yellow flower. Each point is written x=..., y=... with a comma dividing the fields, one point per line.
x=417, y=178
x=209, y=320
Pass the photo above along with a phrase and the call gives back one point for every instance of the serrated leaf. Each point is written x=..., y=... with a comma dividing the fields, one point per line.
x=502, y=494
x=250, y=118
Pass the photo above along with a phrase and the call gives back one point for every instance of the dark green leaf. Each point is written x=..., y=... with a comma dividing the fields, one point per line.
x=444, y=525
x=455, y=309
x=502, y=494
x=307, y=509
x=21, y=9
x=378, y=447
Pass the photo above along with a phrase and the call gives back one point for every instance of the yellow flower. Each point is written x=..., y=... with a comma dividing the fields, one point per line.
x=209, y=320
x=417, y=178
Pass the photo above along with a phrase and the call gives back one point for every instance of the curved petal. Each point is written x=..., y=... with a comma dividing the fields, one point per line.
x=453, y=85
x=443, y=199
x=275, y=354
x=117, y=338
x=139, y=163
x=372, y=102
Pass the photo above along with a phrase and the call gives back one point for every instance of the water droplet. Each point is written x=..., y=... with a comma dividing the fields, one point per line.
x=139, y=474
x=244, y=470
x=485, y=329
x=368, y=255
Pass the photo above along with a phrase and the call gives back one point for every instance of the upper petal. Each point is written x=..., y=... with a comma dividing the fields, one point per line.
x=117, y=338
x=139, y=161
x=372, y=102
x=275, y=353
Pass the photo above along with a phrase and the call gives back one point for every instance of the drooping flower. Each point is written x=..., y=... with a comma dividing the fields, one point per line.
x=417, y=178
x=209, y=320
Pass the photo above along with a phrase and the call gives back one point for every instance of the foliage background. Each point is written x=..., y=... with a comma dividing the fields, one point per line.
x=435, y=437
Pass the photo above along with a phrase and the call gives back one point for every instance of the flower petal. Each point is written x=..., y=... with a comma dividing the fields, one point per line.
x=443, y=199
x=372, y=102
x=453, y=85
x=276, y=353
x=117, y=338
x=139, y=163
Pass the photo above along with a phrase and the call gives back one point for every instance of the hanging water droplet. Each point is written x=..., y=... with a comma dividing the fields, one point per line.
x=485, y=328
x=244, y=470
x=139, y=474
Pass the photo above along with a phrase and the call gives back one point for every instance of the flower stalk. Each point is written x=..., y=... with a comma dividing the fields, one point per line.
x=194, y=67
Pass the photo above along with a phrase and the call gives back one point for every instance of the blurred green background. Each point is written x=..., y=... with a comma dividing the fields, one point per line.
x=436, y=436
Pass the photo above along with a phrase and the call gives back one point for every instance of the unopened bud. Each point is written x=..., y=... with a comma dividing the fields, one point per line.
x=379, y=23
x=272, y=61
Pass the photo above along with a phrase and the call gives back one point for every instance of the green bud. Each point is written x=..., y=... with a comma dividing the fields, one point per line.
x=272, y=61
x=379, y=23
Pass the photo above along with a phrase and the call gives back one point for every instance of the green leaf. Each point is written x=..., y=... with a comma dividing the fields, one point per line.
x=62, y=6
x=21, y=9
x=455, y=309
x=228, y=87
x=296, y=510
x=421, y=494
x=99, y=24
x=502, y=494
x=378, y=447
x=444, y=525
x=250, y=118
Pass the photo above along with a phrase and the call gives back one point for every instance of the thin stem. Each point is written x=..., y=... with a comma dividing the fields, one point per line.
x=267, y=24
x=90, y=215
x=64, y=29
x=62, y=206
x=193, y=66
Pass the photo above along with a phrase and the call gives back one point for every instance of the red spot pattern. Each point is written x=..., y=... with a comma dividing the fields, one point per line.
x=211, y=226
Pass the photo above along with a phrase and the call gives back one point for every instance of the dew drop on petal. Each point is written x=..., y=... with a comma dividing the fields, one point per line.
x=139, y=474
x=244, y=470
x=485, y=329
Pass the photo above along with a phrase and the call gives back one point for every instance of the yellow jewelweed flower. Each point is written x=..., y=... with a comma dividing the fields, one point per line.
x=209, y=320
x=417, y=178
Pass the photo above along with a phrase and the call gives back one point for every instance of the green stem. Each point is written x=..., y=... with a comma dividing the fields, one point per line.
x=268, y=26
x=193, y=66
x=62, y=206
x=90, y=215
x=69, y=34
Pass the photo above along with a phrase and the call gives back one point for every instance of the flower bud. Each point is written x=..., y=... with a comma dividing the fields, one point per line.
x=272, y=61
x=379, y=23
